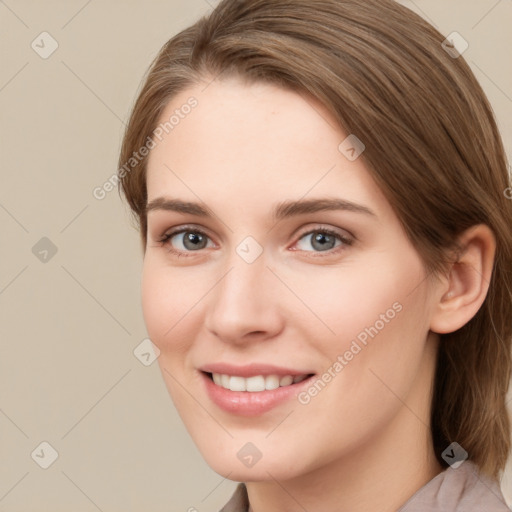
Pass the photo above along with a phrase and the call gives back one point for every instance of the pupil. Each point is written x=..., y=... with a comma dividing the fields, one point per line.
x=323, y=240
x=193, y=238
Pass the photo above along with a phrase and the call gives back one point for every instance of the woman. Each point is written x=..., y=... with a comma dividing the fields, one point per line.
x=321, y=191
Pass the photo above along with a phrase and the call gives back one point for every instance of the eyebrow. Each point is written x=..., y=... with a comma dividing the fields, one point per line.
x=281, y=210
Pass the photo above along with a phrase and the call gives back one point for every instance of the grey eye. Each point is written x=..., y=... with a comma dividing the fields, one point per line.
x=320, y=240
x=190, y=240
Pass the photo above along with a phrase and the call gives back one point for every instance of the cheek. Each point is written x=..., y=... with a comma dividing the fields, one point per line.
x=381, y=327
x=153, y=301
x=377, y=317
x=344, y=302
x=167, y=299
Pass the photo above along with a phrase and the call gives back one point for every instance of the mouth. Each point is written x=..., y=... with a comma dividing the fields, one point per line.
x=256, y=383
x=260, y=390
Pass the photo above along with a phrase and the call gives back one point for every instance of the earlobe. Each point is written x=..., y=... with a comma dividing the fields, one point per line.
x=463, y=291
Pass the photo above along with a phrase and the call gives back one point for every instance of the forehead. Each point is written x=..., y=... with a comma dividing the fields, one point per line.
x=257, y=142
x=260, y=120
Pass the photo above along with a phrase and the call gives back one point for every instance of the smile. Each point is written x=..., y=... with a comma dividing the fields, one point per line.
x=256, y=383
x=254, y=389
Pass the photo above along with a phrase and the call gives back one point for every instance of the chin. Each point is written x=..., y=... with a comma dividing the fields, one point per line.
x=261, y=471
x=240, y=460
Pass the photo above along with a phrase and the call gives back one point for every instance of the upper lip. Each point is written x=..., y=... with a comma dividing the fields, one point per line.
x=251, y=370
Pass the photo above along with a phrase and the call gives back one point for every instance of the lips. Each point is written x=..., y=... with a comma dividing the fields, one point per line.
x=252, y=370
x=252, y=389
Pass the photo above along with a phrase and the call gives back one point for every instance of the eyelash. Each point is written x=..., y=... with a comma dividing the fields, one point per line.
x=164, y=239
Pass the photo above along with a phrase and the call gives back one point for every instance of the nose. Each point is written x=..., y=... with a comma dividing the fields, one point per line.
x=246, y=304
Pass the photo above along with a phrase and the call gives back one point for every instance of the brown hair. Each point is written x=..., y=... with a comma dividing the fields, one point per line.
x=432, y=146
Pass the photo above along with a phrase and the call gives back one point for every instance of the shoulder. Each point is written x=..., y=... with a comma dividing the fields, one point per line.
x=463, y=489
x=239, y=501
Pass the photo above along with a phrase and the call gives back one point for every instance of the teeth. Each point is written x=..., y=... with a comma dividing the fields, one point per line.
x=256, y=383
x=286, y=380
x=237, y=383
x=271, y=382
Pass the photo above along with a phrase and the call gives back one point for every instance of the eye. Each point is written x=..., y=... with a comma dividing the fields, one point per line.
x=323, y=240
x=189, y=239
x=193, y=240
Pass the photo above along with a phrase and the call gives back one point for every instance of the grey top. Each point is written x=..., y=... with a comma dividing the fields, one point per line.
x=463, y=489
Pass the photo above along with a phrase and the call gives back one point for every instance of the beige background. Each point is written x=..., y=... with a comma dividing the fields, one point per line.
x=69, y=325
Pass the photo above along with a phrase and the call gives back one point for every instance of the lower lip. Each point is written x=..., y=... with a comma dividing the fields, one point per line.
x=248, y=403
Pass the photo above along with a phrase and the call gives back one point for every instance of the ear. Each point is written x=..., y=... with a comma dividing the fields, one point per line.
x=462, y=292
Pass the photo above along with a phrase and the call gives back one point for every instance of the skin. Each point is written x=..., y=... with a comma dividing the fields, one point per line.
x=362, y=443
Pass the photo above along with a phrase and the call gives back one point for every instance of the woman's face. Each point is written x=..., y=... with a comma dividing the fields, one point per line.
x=299, y=268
